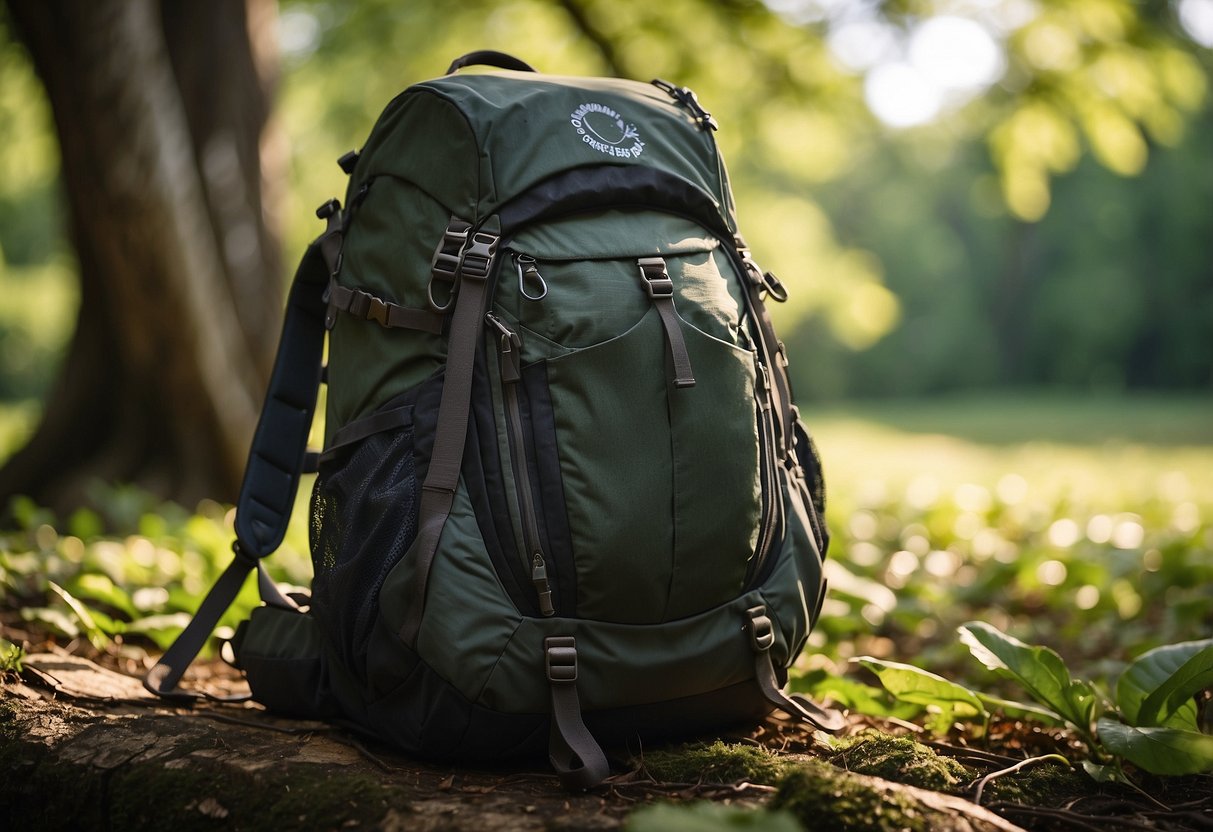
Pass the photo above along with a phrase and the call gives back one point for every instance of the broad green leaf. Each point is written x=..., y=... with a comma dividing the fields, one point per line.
x=921, y=687
x=1019, y=710
x=1157, y=689
x=1158, y=750
x=1040, y=670
x=1110, y=773
x=853, y=695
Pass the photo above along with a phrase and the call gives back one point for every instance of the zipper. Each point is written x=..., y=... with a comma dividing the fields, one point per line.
x=509, y=350
x=772, y=507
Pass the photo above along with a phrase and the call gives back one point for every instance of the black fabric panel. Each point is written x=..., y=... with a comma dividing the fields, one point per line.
x=540, y=422
x=704, y=715
x=810, y=461
x=427, y=717
x=612, y=186
x=483, y=477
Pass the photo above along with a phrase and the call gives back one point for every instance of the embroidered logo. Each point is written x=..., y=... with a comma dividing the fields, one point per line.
x=603, y=129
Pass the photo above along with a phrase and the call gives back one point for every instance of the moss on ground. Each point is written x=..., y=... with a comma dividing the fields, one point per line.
x=1046, y=784
x=717, y=762
x=901, y=760
x=821, y=796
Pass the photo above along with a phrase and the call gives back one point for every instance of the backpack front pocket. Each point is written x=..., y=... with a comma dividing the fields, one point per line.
x=640, y=367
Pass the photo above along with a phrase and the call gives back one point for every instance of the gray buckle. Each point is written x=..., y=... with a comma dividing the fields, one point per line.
x=445, y=264
x=762, y=632
x=657, y=280
x=478, y=258
x=561, y=659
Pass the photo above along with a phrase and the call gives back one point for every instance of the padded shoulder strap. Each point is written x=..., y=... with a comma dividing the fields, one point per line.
x=275, y=461
x=263, y=509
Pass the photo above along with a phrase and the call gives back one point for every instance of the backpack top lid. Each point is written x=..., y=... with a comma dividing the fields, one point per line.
x=475, y=141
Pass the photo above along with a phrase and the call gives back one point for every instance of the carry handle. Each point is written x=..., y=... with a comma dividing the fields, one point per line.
x=489, y=57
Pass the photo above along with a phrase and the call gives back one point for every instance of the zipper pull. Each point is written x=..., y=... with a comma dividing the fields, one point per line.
x=527, y=270
x=688, y=99
x=509, y=348
x=539, y=577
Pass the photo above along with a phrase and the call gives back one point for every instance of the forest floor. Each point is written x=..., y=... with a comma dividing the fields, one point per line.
x=86, y=747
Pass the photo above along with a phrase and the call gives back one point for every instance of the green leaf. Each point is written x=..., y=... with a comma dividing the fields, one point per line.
x=1040, y=670
x=1158, y=688
x=91, y=620
x=921, y=687
x=98, y=587
x=1019, y=710
x=1158, y=750
x=853, y=695
x=708, y=817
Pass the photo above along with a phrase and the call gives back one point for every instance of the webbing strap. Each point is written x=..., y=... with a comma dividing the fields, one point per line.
x=661, y=291
x=360, y=429
x=368, y=306
x=162, y=679
x=762, y=637
x=271, y=478
x=450, y=436
x=572, y=749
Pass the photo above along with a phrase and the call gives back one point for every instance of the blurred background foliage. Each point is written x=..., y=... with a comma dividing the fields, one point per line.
x=961, y=193
x=995, y=219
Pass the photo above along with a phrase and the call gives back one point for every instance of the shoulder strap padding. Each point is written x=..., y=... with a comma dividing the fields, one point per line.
x=280, y=441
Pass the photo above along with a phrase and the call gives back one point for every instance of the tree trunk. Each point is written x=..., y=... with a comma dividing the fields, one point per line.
x=161, y=112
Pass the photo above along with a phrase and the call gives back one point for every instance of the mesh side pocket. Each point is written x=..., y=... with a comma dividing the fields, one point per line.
x=364, y=518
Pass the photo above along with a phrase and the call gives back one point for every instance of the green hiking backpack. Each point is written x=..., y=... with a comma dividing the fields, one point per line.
x=565, y=496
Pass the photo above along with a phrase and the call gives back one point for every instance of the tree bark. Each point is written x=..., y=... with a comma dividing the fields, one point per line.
x=162, y=114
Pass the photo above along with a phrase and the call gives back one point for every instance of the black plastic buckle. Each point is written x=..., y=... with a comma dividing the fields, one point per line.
x=377, y=311
x=347, y=161
x=445, y=264
x=657, y=280
x=328, y=209
x=762, y=632
x=561, y=659
x=478, y=258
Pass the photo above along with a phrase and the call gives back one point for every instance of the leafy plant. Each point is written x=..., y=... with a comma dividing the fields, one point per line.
x=1159, y=728
x=10, y=656
x=945, y=700
x=1154, y=723
x=1040, y=671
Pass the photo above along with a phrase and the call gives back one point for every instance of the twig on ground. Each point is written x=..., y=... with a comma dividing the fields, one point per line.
x=981, y=784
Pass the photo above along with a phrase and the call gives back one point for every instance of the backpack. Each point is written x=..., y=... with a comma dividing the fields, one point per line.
x=565, y=497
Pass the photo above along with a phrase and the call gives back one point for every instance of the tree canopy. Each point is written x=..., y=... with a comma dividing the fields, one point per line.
x=959, y=192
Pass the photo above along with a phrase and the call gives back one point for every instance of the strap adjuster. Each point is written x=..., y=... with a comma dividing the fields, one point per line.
x=561, y=659
x=377, y=311
x=762, y=632
x=478, y=258
x=657, y=280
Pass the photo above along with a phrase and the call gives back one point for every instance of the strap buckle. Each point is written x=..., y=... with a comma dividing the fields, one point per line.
x=762, y=632
x=478, y=258
x=561, y=659
x=377, y=311
x=657, y=280
x=445, y=264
